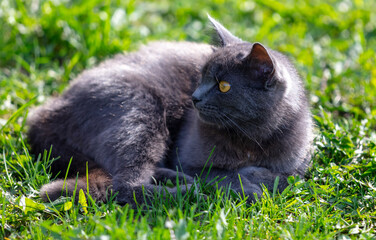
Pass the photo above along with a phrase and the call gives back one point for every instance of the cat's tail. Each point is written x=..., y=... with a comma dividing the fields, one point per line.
x=98, y=180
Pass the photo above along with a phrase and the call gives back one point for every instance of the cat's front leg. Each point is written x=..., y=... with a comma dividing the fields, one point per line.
x=139, y=184
x=263, y=176
x=229, y=178
x=143, y=191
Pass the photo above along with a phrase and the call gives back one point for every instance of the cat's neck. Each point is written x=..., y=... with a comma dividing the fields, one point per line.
x=226, y=136
x=244, y=150
x=232, y=149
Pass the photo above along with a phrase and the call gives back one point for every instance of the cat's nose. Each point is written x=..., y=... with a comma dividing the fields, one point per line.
x=195, y=99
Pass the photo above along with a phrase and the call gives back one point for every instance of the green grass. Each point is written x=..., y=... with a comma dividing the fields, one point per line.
x=44, y=44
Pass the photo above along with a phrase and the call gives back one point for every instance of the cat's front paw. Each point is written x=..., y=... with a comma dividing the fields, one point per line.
x=251, y=192
x=251, y=172
x=263, y=176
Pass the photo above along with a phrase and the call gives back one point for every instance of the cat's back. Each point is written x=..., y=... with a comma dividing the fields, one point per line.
x=159, y=65
x=168, y=70
x=156, y=80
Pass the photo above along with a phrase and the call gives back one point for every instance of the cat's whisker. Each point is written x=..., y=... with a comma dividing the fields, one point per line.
x=229, y=127
x=224, y=124
x=256, y=126
x=243, y=131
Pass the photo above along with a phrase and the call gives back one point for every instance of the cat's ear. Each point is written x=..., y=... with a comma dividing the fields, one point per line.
x=224, y=36
x=260, y=61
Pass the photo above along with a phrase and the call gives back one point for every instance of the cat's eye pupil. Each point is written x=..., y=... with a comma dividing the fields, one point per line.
x=224, y=86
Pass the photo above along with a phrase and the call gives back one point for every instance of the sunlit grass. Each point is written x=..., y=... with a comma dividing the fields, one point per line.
x=44, y=44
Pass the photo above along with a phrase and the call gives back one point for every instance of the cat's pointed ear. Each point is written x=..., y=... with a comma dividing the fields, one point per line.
x=224, y=35
x=260, y=60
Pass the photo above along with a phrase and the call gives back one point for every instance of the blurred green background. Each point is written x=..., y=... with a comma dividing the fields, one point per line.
x=45, y=43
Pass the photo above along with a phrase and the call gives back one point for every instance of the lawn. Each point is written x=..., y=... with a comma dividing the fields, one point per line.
x=46, y=43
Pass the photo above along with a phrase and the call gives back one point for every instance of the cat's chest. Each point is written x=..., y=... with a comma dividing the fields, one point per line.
x=221, y=155
x=228, y=156
x=201, y=145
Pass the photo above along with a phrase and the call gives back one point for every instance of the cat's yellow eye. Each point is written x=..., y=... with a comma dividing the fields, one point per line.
x=224, y=86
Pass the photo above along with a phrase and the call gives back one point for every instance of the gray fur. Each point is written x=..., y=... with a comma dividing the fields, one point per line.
x=119, y=117
x=261, y=128
x=124, y=119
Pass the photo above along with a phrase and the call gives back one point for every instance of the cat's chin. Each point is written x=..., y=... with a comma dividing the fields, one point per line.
x=209, y=120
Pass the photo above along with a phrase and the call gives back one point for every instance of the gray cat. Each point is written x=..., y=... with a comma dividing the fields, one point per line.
x=131, y=121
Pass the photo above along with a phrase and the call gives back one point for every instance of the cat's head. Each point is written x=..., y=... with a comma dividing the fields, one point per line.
x=246, y=86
